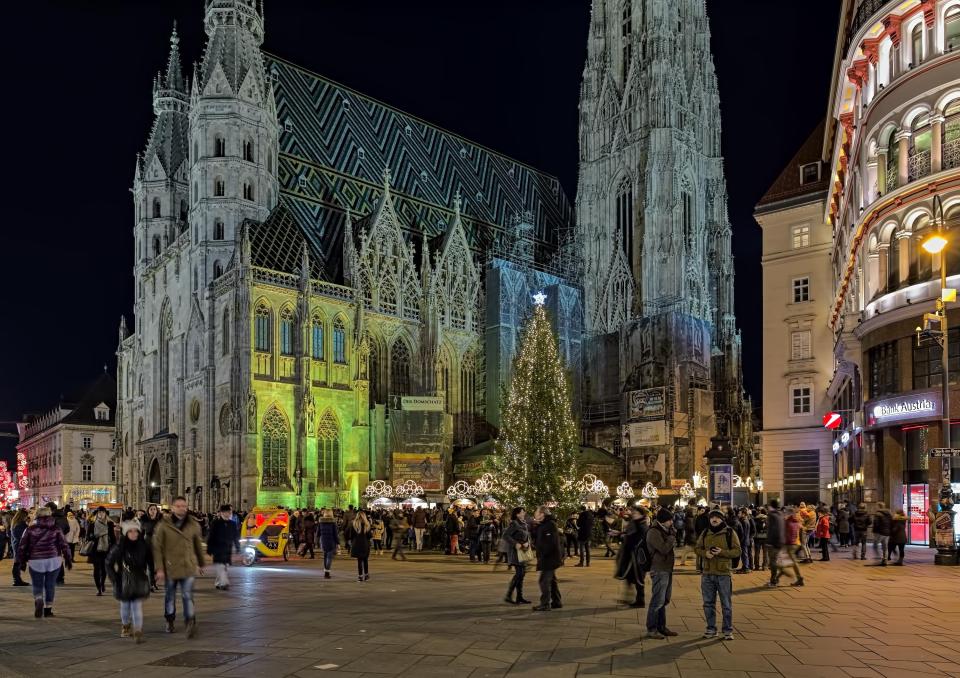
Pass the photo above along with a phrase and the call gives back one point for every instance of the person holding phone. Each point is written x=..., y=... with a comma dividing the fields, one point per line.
x=718, y=545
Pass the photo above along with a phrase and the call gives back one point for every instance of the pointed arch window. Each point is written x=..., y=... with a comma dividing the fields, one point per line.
x=388, y=298
x=156, y=245
x=951, y=29
x=217, y=269
x=316, y=338
x=373, y=373
x=399, y=368
x=163, y=394
x=218, y=232
x=339, y=341
x=261, y=333
x=275, y=453
x=286, y=331
x=156, y=208
x=225, y=331
x=687, y=217
x=247, y=190
x=468, y=383
x=893, y=263
x=219, y=189
x=219, y=146
x=443, y=378
x=248, y=150
x=625, y=218
x=328, y=451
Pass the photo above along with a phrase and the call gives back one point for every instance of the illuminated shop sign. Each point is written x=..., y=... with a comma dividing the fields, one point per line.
x=904, y=408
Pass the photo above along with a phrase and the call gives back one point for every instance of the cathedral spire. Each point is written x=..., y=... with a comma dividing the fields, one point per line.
x=232, y=55
x=174, y=76
x=349, y=256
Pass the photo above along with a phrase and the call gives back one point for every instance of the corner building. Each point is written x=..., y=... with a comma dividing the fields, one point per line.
x=893, y=150
x=328, y=290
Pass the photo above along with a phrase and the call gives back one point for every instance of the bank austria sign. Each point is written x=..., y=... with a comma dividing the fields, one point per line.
x=910, y=407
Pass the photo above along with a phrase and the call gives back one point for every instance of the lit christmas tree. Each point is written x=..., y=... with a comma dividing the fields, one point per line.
x=536, y=455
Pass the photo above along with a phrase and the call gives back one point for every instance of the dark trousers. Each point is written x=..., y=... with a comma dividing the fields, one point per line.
x=899, y=549
x=99, y=570
x=516, y=582
x=363, y=566
x=585, y=552
x=824, y=548
x=17, y=577
x=549, y=590
x=485, y=551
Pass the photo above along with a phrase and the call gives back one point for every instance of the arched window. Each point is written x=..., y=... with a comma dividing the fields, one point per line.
x=468, y=384
x=156, y=208
x=443, y=378
x=183, y=210
x=217, y=269
x=893, y=156
x=247, y=190
x=219, y=146
x=921, y=263
x=163, y=365
x=893, y=263
x=951, y=127
x=269, y=163
x=952, y=222
x=399, y=368
x=316, y=338
x=328, y=451
x=261, y=341
x=225, y=331
x=951, y=29
x=916, y=44
x=920, y=148
x=687, y=217
x=156, y=245
x=248, y=150
x=196, y=279
x=388, y=298
x=286, y=331
x=373, y=373
x=219, y=189
x=196, y=357
x=275, y=433
x=625, y=218
x=218, y=229
x=339, y=341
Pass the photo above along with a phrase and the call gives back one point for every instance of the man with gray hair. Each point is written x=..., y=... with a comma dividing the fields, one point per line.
x=546, y=541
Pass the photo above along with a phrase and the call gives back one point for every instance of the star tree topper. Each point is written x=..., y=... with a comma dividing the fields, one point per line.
x=539, y=299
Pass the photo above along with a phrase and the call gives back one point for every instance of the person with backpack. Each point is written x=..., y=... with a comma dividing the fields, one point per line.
x=860, y=523
x=760, y=541
x=633, y=559
x=719, y=546
x=882, y=523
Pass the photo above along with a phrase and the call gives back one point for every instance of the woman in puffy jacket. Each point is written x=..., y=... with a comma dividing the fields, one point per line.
x=823, y=534
x=46, y=550
x=329, y=538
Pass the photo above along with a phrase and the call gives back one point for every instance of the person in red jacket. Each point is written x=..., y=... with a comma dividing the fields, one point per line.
x=823, y=534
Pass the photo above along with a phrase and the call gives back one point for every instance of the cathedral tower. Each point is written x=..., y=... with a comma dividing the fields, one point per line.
x=652, y=224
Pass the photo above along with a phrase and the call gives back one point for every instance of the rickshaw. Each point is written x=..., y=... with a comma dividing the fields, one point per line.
x=264, y=534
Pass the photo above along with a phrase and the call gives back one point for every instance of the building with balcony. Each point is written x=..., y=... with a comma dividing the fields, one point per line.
x=71, y=449
x=797, y=343
x=892, y=147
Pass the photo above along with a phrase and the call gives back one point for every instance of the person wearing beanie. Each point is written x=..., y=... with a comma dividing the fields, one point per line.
x=129, y=566
x=661, y=541
x=45, y=549
x=222, y=542
x=718, y=545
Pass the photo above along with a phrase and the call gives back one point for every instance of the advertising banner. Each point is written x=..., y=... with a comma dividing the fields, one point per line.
x=423, y=468
x=912, y=407
x=721, y=483
x=648, y=403
x=644, y=434
x=943, y=529
x=421, y=403
x=646, y=468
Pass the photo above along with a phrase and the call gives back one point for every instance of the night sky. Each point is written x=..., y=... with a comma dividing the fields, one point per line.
x=505, y=74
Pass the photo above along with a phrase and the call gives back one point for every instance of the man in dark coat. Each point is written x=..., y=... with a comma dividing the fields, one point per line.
x=546, y=541
x=584, y=535
x=223, y=540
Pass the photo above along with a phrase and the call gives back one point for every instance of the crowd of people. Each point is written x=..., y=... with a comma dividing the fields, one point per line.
x=141, y=550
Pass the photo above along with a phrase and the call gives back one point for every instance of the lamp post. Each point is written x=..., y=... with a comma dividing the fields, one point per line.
x=936, y=244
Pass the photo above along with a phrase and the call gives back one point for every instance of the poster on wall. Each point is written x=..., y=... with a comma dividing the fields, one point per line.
x=644, y=434
x=648, y=403
x=424, y=468
x=721, y=483
x=648, y=467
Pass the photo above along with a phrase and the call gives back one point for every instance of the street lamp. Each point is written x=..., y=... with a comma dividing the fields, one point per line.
x=936, y=244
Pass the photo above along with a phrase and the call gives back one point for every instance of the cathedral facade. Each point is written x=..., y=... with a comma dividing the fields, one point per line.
x=662, y=350
x=328, y=290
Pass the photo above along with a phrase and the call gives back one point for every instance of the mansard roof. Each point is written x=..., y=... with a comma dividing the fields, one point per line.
x=277, y=243
x=788, y=184
x=339, y=142
x=102, y=390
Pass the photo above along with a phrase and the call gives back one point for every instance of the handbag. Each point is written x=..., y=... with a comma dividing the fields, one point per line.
x=133, y=586
x=525, y=555
x=86, y=548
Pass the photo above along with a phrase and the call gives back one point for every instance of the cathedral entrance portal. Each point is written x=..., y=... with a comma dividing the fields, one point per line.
x=153, y=482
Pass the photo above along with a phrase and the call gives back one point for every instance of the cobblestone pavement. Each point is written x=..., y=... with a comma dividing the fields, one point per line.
x=435, y=616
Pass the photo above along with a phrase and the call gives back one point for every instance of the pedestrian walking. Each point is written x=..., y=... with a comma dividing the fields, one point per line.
x=102, y=537
x=222, y=542
x=453, y=532
x=746, y=529
x=516, y=538
x=546, y=541
x=178, y=555
x=661, y=541
x=328, y=539
x=823, y=535
x=860, y=522
x=488, y=535
x=419, y=526
x=18, y=525
x=43, y=549
x=760, y=541
x=129, y=565
x=898, y=535
x=585, y=521
x=359, y=531
x=882, y=522
x=808, y=525
x=376, y=534
x=400, y=526
x=633, y=559
x=73, y=534
x=843, y=525
x=718, y=545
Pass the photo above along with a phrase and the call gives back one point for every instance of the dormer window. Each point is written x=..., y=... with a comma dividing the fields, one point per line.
x=288, y=125
x=809, y=173
x=361, y=154
x=101, y=412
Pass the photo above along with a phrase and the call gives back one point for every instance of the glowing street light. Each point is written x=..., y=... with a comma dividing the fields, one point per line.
x=935, y=243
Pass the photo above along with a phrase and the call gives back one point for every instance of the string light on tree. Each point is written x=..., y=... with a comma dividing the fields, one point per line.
x=536, y=455
x=624, y=491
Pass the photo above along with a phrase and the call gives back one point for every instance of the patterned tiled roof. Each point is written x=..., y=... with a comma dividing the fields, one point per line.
x=335, y=144
x=277, y=244
x=788, y=183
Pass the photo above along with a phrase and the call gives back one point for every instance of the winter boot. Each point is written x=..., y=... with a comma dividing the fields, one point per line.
x=520, y=599
x=191, y=627
x=170, y=625
x=38, y=607
x=48, y=612
x=125, y=630
x=138, y=636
